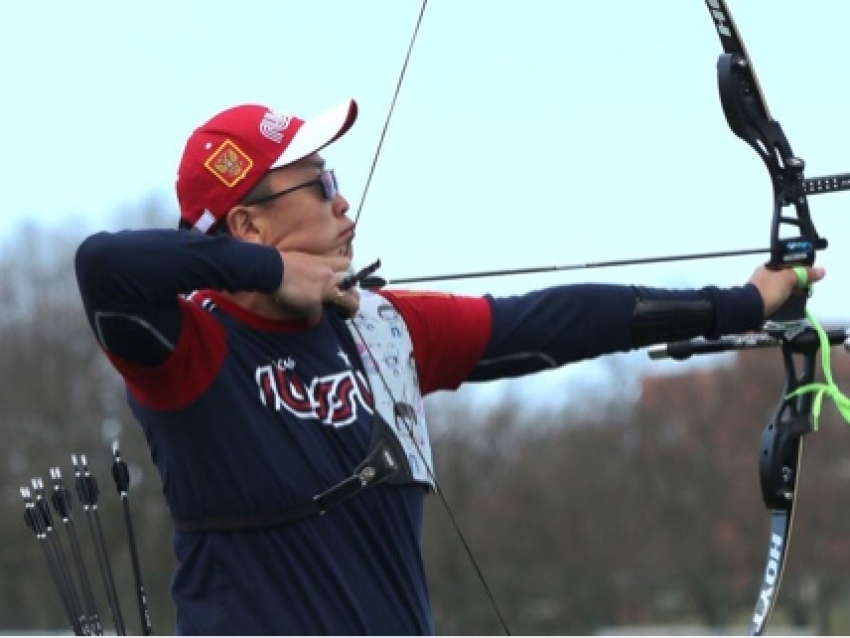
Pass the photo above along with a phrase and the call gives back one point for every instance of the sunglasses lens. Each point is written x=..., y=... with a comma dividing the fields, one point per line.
x=329, y=184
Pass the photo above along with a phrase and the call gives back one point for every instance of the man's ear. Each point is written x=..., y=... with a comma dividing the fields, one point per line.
x=241, y=225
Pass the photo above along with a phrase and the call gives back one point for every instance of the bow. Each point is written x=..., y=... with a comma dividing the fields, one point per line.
x=790, y=328
x=780, y=457
x=782, y=440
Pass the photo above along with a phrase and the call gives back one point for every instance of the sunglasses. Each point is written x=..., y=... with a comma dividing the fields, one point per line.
x=326, y=180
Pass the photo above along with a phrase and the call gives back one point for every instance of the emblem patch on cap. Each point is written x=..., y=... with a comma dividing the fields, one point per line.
x=229, y=163
x=273, y=125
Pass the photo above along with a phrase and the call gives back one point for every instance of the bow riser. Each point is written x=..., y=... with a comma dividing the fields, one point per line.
x=783, y=433
x=748, y=117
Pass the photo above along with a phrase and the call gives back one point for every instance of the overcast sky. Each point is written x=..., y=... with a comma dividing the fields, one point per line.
x=527, y=133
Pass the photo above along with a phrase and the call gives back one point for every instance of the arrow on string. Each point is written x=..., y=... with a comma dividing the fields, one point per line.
x=377, y=282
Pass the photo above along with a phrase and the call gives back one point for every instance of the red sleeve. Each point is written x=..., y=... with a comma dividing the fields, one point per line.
x=449, y=334
x=188, y=371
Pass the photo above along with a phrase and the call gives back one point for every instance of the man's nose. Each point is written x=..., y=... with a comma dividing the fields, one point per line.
x=340, y=205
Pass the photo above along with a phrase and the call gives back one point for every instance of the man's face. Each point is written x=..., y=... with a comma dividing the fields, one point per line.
x=303, y=219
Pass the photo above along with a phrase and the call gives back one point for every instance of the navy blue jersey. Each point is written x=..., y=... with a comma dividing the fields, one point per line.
x=245, y=415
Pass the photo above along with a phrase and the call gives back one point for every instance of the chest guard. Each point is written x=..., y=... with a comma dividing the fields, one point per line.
x=384, y=345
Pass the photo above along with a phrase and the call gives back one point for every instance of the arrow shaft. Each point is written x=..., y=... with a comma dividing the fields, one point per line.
x=578, y=266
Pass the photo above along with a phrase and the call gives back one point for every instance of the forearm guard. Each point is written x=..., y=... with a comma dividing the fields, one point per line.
x=660, y=321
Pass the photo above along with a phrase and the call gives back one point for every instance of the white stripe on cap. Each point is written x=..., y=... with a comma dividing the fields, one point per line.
x=205, y=222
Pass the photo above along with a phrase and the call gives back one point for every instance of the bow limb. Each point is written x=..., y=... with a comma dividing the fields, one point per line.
x=780, y=463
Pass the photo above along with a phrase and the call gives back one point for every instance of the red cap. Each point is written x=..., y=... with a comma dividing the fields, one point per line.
x=229, y=155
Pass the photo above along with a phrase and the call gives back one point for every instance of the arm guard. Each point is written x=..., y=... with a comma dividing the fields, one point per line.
x=664, y=315
x=657, y=321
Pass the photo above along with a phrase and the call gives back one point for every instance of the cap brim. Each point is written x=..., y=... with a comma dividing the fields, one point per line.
x=318, y=132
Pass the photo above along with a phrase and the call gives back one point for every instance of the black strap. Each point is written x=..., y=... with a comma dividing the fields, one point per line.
x=246, y=522
x=378, y=466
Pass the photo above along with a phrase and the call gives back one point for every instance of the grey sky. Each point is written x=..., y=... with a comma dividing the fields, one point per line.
x=527, y=133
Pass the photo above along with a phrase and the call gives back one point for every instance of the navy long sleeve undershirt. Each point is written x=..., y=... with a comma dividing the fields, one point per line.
x=553, y=326
x=129, y=283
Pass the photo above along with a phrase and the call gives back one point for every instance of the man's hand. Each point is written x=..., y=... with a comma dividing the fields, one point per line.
x=776, y=286
x=348, y=300
x=309, y=281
